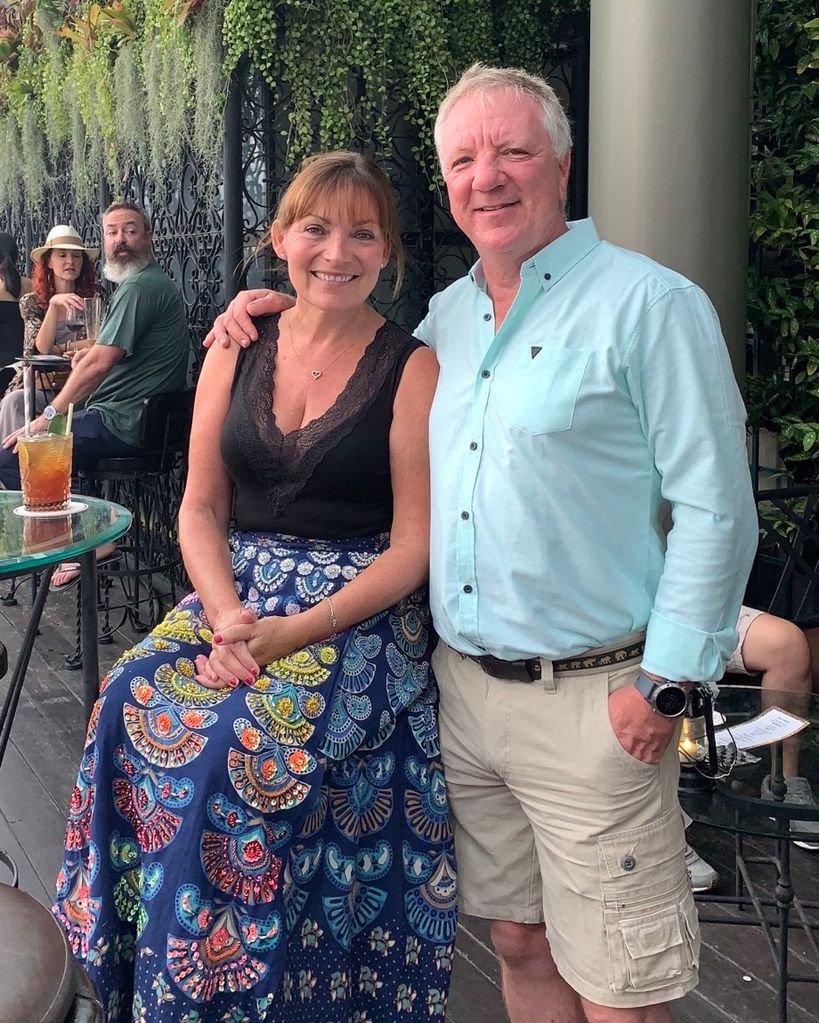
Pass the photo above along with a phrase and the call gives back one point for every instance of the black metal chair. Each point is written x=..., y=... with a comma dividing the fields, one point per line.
x=150, y=485
x=785, y=575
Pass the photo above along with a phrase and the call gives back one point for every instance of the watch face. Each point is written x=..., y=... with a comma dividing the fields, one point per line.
x=670, y=701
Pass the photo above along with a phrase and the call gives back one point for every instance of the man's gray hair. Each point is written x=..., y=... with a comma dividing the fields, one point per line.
x=132, y=206
x=482, y=81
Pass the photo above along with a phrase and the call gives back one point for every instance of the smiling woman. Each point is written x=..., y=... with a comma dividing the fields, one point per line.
x=267, y=761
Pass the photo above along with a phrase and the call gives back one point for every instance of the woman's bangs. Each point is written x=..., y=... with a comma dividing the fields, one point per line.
x=351, y=201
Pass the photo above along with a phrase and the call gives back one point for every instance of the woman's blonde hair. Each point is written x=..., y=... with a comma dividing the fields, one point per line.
x=341, y=180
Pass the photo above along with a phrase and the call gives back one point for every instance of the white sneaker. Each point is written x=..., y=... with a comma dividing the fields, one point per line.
x=799, y=793
x=703, y=876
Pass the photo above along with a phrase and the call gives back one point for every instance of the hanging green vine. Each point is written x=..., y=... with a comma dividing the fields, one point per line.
x=129, y=96
x=110, y=86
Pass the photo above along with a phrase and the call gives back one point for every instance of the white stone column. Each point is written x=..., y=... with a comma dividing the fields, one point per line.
x=669, y=140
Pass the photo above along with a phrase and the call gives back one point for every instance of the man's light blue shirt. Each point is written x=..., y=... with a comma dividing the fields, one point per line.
x=563, y=446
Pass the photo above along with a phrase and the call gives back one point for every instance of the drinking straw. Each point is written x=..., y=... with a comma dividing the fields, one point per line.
x=68, y=418
x=27, y=371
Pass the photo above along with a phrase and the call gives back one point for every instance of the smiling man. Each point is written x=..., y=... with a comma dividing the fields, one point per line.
x=585, y=392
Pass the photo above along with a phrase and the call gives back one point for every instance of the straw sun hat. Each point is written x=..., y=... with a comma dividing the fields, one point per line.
x=63, y=236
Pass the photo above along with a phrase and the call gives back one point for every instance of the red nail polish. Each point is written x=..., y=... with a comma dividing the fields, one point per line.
x=217, y=637
x=233, y=682
x=250, y=680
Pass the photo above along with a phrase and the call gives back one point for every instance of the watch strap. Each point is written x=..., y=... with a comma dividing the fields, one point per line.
x=645, y=686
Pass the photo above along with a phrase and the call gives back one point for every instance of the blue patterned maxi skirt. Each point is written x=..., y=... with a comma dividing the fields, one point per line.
x=278, y=852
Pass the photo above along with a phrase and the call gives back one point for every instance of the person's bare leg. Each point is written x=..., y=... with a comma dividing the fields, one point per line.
x=812, y=636
x=647, y=1014
x=533, y=990
x=779, y=650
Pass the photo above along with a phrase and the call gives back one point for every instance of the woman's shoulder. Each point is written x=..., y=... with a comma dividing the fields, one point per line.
x=30, y=307
x=413, y=362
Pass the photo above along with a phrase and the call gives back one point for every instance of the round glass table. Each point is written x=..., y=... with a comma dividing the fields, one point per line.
x=753, y=801
x=32, y=545
x=737, y=802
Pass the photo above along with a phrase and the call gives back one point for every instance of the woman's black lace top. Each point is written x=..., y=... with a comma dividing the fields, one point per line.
x=330, y=478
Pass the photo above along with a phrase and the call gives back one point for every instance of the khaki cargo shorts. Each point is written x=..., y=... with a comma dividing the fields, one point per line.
x=556, y=822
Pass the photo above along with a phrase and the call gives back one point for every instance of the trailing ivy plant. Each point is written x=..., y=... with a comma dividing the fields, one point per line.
x=343, y=71
x=783, y=301
x=106, y=86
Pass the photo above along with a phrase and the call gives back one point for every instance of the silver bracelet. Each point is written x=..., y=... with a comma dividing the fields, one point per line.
x=333, y=619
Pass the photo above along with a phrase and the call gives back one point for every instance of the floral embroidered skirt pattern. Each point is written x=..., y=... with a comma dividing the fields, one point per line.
x=280, y=851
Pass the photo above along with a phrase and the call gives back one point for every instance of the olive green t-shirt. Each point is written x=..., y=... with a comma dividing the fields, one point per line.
x=146, y=317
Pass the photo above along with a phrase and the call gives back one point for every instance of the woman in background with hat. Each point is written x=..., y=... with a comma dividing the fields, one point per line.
x=63, y=276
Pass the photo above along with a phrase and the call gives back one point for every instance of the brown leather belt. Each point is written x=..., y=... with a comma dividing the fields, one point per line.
x=530, y=669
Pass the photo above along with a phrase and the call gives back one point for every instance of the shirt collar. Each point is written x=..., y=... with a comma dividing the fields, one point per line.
x=554, y=260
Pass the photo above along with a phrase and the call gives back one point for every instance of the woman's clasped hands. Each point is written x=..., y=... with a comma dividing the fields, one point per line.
x=242, y=644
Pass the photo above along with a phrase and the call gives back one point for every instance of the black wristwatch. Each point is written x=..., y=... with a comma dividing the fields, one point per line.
x=666, y=698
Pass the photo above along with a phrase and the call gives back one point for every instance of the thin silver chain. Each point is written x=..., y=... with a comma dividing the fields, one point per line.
x=315, y=373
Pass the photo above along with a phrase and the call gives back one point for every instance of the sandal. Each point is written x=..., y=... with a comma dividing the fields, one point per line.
x=73, y=568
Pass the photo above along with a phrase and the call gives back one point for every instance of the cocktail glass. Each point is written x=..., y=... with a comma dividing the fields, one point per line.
x=44, y=534
x=93, y=314
x=45, y=469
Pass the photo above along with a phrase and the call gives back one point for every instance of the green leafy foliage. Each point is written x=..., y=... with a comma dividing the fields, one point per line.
x=342, y=70
x=102, y=87
x=783, y=294
x=113, y=84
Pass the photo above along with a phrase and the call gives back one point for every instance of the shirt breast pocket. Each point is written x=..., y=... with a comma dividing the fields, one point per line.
x=542, y=397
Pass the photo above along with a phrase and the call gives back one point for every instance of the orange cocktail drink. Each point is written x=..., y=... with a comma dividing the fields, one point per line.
x=45, y=469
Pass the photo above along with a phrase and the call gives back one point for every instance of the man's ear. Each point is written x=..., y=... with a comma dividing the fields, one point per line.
x=277, y=240
x=565, y=166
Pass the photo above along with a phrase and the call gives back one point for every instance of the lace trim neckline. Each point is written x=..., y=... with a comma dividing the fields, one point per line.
x=367, y=357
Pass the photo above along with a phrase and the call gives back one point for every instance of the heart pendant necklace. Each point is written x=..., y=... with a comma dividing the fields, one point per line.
x=315, y=373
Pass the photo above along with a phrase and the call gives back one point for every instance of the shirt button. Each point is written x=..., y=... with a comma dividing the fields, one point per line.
x=467, y=588
x=547, y=277
x=487, y=316
x=464, y=515
x=485, y=373
x=473, y=445
x=628, y=863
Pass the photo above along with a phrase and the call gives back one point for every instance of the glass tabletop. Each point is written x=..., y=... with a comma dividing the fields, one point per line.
x=30, y=543
x=45, y=361
x=737, y=802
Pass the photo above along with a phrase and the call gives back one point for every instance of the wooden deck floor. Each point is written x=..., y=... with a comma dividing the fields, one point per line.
x=737, y=977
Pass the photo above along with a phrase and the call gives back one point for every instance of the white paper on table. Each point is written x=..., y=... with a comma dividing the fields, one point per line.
x=772, y=725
